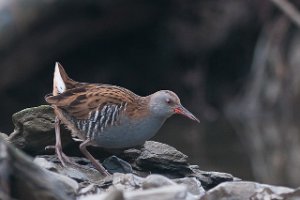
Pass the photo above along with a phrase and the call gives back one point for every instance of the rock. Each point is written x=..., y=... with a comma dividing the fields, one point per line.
x=211, y=179
x=193, y=185
x=34, y=130
x=111, y=195
x=246, y=190
x=23, y=179
x=172, y=192
x=68, y=181
x=81, y=171
x=42, y=162
x=114, y=164
x=127, y=182
x=295, y=195
x=130, y=182
x=178, y=192
x=4, y=136
x=89, y=189
x=160, y=157
x=86, y=173
x=155, y=181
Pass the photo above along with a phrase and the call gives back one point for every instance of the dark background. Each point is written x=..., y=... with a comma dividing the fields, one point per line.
x=233, y=64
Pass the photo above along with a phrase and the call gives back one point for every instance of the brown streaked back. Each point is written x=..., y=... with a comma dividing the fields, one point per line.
x=79, y=102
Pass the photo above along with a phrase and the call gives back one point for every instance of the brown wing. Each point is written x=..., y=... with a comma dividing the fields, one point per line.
x=82, y=101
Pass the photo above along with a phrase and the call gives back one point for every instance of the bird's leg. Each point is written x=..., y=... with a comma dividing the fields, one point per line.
x=58, y=147
x=96, y=163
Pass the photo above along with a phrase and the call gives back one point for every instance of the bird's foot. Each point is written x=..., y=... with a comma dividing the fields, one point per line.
x=63, y=158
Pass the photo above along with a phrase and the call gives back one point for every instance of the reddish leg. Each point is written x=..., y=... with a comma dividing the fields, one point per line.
x=58, y=147
x=96, y=164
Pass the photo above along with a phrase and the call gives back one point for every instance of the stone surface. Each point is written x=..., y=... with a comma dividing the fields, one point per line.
x=91, y=181
x=172, y=192
x=110, y=195
x=34, y=129
x=81, y=171
x=193, y=185
x=211, y=179
x=156, y=156
x=20, y=178
x=178, y=192
x=4, y=136
x=155, y=181
x=248, y=190
x=114, y=164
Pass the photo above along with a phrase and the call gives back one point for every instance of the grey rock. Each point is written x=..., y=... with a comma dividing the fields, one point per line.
x=34, y=129
x=131, y=154
x=295, y=195
x=155, y=181
x=127, y=182
x=193, y=185
x=42, y=162
x=27, y=180
x=113, y=194
x=211, y=179
x=114, y=164
x=240, y=190
x=4, y=136
x=171, y=192
x=68, y=181
x=80, y=171
x=130, y=182
x=89, y=189
x=157, y=156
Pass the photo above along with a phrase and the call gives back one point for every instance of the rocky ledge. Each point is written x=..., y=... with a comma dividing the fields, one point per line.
x=152, y=171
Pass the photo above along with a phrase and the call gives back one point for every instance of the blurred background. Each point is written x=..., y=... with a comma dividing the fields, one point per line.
x=234, y=63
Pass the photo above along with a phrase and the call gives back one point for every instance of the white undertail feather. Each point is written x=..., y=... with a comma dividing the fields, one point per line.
x=59, y=85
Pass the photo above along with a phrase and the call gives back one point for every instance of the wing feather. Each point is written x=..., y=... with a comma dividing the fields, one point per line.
x=81, y=102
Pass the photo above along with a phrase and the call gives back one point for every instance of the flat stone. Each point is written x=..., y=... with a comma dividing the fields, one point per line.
x=44, y=163
x=155, y=181
x=114, y=164
x=34, y=130
x=211, y=179
x=171, y=192
x=82, y=170
x=89, y=189
x=127, y=182
x=246, y=190
x=113, y=194
x=193, y=185
x=162, y=157
x=28, y=180
x=4, y=136
x=178, y=192
x=69, y=181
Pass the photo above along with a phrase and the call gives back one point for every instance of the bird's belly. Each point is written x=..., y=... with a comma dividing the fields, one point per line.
x=127, y=134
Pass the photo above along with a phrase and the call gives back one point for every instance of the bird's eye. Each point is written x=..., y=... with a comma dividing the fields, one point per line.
x=168, y=101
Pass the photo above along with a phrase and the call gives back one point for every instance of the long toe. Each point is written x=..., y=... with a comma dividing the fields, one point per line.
x=101, y=169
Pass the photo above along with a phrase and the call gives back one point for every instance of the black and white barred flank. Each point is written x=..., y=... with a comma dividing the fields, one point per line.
x=100, y=119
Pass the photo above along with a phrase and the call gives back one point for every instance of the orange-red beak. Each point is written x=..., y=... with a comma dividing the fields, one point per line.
x=183, y=111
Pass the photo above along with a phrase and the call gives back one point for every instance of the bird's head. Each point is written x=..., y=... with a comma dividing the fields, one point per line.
x=165, y=103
